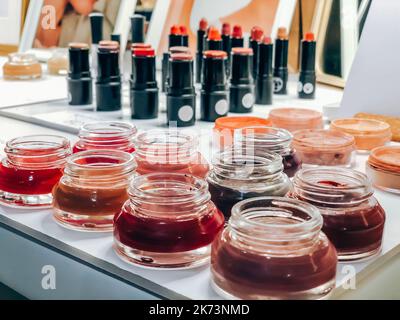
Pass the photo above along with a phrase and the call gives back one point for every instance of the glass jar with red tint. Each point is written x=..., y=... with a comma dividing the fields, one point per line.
x=31, y=168
x=169, y=151
x=270, y=139
x=273, y=248
x=239, y=173
x=169, y=221
x=106, y=135
x=353, y=218
x=93, y=189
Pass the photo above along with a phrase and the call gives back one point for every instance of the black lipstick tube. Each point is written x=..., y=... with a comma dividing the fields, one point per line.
x=214, y=93
x=237, y=42
x=201, y=34
x=137, y=28
x=143, y=84
x=264, y=78
x=281, y=66
x=108, y=82
x=241, y=91
x=181, y=96
x=79, y=78
x=165, y=64
x=307, y=78
x=214, y=44
x=227, y=47
x=175, y=39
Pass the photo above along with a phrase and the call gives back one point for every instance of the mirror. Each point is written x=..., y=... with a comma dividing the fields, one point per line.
x=339, y=28
x=55, y=23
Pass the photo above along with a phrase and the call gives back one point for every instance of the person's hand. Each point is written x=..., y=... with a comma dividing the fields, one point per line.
x=83, y=7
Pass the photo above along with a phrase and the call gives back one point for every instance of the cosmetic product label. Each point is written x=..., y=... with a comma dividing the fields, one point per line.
x=185, y=113
x=248, y=100
x=308, y=88
x=278, y=84
x=222, y=107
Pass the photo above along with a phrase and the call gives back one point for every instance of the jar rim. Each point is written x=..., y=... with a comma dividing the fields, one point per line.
x=241, y=217
x=332, y=185
x=45, y=145
x=271, y=136
x=120, y=162
x=295, y=115
x=361, y=127
x=384, y=158
x=247, y=159
x=19, y=58
x=319, y=138
x=107, y=129
x=161, y=142
x=142, y=188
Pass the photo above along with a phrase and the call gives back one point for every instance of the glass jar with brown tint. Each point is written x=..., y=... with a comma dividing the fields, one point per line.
x=93, y=189
x=22, y=66
x=273, y=248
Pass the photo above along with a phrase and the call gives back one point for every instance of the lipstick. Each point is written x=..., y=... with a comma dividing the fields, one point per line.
x=227, y=45
x=165, y=63
x=237, y=37
x=108, y=82
x=264, y=79
x=174, y=40
x=137, y=28
x=241, y=91
x=175, y=37
x=185, y=36
x=307, y=78
x=214, y=93
x=181, y=96
x=79, y=78
x=143, y=84
x=214, y=39
x=281, y=62
x=256, y=36
x=201, y=34
x=96, y=24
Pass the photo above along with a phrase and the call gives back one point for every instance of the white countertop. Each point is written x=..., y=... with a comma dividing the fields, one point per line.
x=193, y=283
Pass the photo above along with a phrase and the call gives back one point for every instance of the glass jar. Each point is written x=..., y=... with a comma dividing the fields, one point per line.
x=106, y=135
x=293, y=119
x=169, y=151
x=353, y=218
x=93, y=189
x=58, y=64
x=383, y=167
x=368, y=134
x=22, y=66
x=169, y=221
x=270, y=139
x=239, y=174
x=324, y=148
x=273, y=248
x=31, y=168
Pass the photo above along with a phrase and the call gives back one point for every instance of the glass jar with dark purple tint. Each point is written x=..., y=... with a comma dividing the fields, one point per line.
x=270, y=139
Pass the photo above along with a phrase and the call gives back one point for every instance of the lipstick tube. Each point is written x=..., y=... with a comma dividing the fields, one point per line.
x=185, y=36
x=181, y=96
x=143, y=83
x=237, y=37
x=201, y=34
x=241, y=91
x=264, y=78
x=214, y=93
x=281, y=62
x=227, y=46
x=307, y=78
x=137, y=28
x=96, y=24
x=214, y=40
x=79, y=78
x=165, y=63
x=108, y=82
x=256, y=38
x=174, y=40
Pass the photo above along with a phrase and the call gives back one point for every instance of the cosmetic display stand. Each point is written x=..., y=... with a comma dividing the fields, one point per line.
x=42, y=260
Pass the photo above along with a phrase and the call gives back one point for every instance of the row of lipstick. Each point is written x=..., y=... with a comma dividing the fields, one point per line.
x=166, y=205
x=252, y=79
